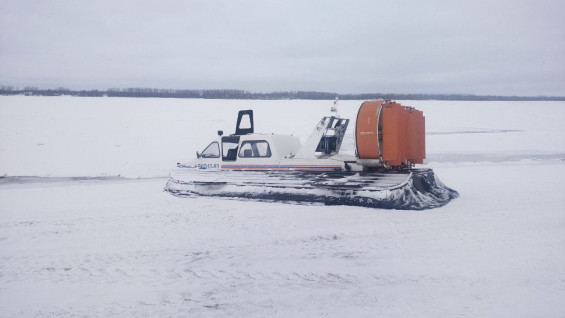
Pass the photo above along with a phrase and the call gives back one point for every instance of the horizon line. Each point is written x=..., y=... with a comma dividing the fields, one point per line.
x=243, y=94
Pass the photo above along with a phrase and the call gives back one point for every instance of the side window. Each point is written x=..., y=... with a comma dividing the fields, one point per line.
x=229, y=150
x=255, y=149
x=212, y=151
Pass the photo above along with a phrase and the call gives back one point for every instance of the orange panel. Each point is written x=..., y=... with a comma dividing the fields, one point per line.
x=366, y=130
x=394, y=134
x=416, y=136
x=422, y=138
x=421, y=135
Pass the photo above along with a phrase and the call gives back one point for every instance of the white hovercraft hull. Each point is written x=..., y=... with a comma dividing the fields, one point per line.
x=269, y=167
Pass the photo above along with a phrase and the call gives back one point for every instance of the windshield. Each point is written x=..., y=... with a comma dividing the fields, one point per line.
x=212, y=151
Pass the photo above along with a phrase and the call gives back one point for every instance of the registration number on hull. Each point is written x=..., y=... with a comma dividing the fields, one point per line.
x=208, y=166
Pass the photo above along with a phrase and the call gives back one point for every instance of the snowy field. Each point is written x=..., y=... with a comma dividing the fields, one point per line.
x=90, y=232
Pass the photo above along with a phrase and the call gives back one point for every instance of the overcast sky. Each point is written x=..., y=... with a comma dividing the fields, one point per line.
x=499, y=47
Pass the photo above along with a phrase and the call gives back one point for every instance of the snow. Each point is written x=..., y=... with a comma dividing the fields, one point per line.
x=123, y=247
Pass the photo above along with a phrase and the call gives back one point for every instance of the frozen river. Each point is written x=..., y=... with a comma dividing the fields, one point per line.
x=74, y=245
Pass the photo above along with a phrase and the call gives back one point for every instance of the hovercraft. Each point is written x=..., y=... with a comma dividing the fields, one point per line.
x=389, y=142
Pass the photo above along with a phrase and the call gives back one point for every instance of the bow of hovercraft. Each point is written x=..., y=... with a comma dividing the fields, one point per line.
x=389, y=140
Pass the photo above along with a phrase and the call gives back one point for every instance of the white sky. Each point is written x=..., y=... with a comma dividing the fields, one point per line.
x=501, y=47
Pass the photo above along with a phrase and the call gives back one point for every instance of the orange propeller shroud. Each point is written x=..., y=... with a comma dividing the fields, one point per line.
x=391, y=133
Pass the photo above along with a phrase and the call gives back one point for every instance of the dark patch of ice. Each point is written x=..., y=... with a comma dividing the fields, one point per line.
x=32, y=179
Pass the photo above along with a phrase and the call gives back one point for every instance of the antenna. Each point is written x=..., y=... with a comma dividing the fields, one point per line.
x=334, y=107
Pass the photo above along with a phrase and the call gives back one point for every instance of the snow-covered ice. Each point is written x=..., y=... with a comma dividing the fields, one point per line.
x=122, y=247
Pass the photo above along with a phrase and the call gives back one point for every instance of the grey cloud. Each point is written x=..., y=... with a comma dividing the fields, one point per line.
x=505, y=47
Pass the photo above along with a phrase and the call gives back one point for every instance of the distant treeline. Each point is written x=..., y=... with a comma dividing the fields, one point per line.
x=242, y=94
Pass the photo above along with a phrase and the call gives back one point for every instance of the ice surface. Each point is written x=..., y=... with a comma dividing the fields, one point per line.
x=145, y=137
x=123, y=247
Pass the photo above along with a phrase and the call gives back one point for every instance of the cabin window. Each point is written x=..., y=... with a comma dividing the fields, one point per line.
x=229, y=150
x=255, y=149
x=212, y=151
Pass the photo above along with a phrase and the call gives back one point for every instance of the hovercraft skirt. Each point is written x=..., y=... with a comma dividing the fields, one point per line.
x=411, y=190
